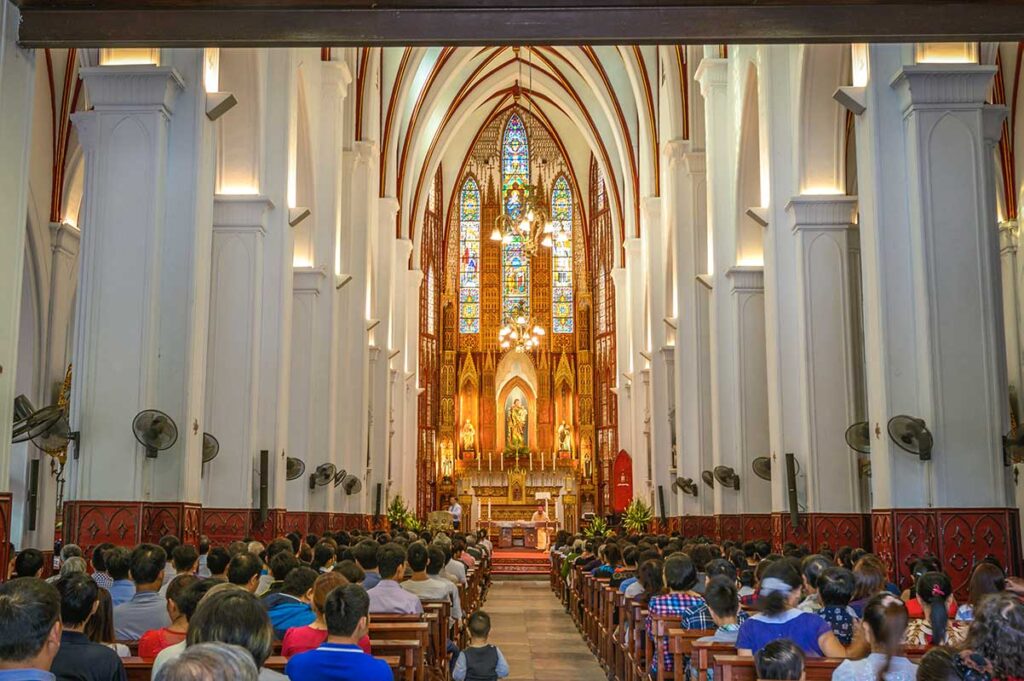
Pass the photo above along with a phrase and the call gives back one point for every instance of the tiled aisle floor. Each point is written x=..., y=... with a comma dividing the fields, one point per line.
x=536, y=635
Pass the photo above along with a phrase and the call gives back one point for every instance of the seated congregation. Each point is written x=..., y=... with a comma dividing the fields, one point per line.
x=663, y=607
x=346, y=606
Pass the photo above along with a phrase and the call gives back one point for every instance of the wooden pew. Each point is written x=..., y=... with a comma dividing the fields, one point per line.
x=401, y=632
x=408, y=651
x=680, y=647
x=741, y=668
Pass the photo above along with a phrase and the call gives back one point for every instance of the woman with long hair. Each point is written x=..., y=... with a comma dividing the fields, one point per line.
x=884, y=624
x=100, y=627
x=986, y=579
x=779, y=617
x=650, y=577
x=934, y=592
x=994, y=648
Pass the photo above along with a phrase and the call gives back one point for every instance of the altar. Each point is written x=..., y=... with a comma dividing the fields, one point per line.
x=516, y=534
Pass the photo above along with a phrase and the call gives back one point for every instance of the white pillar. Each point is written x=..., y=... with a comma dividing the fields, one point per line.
x=1009, y=241
x=639, y=362
x=749, y=387
x=826, y=347
x=932, y=307
x=657, y=261
x=410, y=424
x=17, y=80
x=233, y=359
x=398, y=313
x=686, y=191
x=307, y=432
x=624, y=365
x=119, y=297
x=353, y=402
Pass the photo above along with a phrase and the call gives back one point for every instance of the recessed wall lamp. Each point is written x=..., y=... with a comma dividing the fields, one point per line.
x=341, y=280
x=219, y=103
x=297, y=215
x=371, y=324
x=394, y=354
x=758, y=214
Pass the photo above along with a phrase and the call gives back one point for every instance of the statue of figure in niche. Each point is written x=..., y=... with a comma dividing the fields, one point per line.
x=586, y=458
x=515, y=419
x=564, y=437
x=468, y=437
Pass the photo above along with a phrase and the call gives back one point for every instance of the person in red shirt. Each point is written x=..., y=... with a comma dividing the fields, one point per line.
x=300, y=639
x=155, y=640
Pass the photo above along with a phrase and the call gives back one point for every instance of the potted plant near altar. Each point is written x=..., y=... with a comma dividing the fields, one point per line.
x=637, y=517
x=597, y=529
x=398, y=514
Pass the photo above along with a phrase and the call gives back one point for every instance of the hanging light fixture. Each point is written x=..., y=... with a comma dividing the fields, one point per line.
x=523, y=214
x=519, y=332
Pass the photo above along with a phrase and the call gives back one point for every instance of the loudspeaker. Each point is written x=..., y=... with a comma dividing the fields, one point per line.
x=661, y=500
x=33, y=493
x=794, y=502
x=264, y=483
x=376, y=503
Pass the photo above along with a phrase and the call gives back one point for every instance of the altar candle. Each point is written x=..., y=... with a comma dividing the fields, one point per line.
x=488, y=509
x=479, y=461
x=531, y=462
x=490, y=461
x=501, y=461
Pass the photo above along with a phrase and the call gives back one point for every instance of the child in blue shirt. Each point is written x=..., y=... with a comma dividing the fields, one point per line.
x=480, y=660
x=835, y=588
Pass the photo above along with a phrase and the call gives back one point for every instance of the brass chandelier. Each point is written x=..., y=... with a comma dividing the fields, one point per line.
x=519, y=332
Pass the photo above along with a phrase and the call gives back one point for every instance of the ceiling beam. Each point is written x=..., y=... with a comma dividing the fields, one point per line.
x=190, y=23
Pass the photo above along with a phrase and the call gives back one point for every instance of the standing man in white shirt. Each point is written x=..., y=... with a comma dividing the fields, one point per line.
x=456, y=510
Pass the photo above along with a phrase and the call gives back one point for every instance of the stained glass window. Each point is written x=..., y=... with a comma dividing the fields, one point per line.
x=515, y=164
x=515, y=265
x=561, y=257
x=469, y=257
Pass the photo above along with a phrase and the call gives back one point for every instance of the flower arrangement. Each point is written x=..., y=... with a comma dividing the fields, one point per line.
x=598, y=528
x=398, y=512
x=637, y=516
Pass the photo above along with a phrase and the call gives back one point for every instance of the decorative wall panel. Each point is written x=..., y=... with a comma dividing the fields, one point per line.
x=89, y=523
x=224, y=525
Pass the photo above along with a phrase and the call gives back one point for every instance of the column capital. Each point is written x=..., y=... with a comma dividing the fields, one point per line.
x=675, y=151
x=415, y=276
x=746, y=278
x=336, y=78
x=65, y=238
x=308, y=280
x=822, y=211
x=925, y=86
x=135, y=87
x=240, y=212
x=696, y=163
x=651, y=208
x=712, y=73
x=364, y=152
x=388, y=209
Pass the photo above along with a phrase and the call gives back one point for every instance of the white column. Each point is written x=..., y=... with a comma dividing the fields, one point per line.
x=713, y=75
x=335, y=79
x=640, y=364
x=657, y=261
x=933, y=311
x=687, y=191
x=826, y=346
x=65, y=241
x=357, y=223
x=383, y=265
x=184, y=302
x=1009, y=241
x=410, y=423
x=233, y=359
x=276, y=330
x=398, y=313
x=119, y=298
x=749, y=390
x=17, y=81
x=624, y=366
x=307, y=432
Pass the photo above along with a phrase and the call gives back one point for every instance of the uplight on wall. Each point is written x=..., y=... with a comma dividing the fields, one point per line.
x=859, y=62
x=946, y=53
x=130, y=56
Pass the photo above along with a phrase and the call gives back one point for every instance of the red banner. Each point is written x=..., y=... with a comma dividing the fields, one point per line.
x=622, y=481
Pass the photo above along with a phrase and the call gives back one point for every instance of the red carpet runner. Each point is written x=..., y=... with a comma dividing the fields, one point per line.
x=520, y=561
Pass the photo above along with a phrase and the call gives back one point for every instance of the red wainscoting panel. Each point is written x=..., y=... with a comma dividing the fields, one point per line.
x=319, y=523
x=269, y=530
x=225, y=525
x=5, y=532
x=89, y=523
x=708, y=527
x=960, y=537
x=834, y=530
x=729, y=527
x=296, y=521
x=757, y=526
x=690, y=525
x=175, y=518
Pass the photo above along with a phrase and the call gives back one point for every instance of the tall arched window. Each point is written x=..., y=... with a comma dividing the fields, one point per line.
x=515, y=177
x=561, y=257
x=469, y=257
